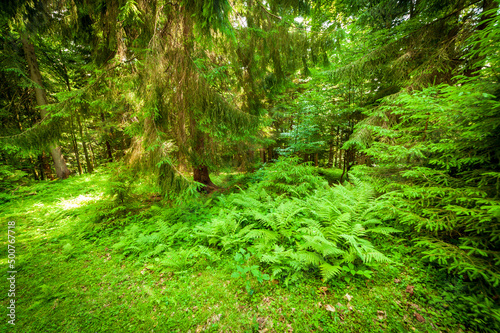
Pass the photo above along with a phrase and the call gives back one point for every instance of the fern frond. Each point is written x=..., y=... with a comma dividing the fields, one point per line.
x=328, y=271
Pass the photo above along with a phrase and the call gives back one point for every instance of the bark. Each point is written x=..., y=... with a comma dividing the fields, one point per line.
x=90, y=167
x=306, y=71
x=73, y=136
x=278, y=70
x=93, y=159
x=330, y=149
x=201, y=173
x=75, y=147
x=62, y=170
x=32, y=163
x=40, y=166
x=108, y=145
x=330, y=154
x=338, y=156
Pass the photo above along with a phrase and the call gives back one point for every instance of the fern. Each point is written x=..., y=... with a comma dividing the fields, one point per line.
x=293, y=233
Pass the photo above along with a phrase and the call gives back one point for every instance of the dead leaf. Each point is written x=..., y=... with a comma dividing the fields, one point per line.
x=267, y=300
x=262, y=322
x=415, y=306
x=397, y=280
x=320, y=304
x=330, y=308
x=349, y=307
x=348, y=297
x=419, y=317
x=381, y=315
x=409, y=289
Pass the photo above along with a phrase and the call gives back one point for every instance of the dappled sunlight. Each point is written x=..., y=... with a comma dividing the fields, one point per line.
x=79, y=201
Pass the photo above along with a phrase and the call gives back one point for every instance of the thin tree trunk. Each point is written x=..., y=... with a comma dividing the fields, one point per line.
x=40, y=166
x=330, y=149
x=33, y=164
x=93, y=160
x=62, y=170
x=108, y=145
x=201, y=173
x=90, y=167
x=338, y=156
x=73, y=136
x=75, y=147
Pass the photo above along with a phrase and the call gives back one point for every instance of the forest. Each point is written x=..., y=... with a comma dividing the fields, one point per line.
x=250, y=166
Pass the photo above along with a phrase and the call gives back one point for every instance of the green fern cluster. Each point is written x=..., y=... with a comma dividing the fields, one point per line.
x=319, y=230
x=287, y=176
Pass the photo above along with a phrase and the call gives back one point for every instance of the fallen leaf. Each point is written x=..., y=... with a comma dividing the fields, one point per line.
x=348, y=297
x=397, y=280
x=262, y=322
x=409, y=289
x=267, y=300
x=330, y=308
x=381, y=315
x=414, y=306
x=349, y=307
x=419, y=317
x=320, y=304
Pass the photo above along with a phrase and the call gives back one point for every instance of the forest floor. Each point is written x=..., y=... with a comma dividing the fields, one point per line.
x=72, y=280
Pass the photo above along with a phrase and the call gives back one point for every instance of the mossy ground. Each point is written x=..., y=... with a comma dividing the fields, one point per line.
x=69, y=279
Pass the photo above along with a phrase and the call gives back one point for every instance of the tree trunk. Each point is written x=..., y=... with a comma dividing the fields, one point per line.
x=202, y=175
x=200, y=170
x=40, y=166
x=338, y=156
x=62, y=170
x=75, y=147
x=108, y=145
x=90, y=167
x=33, y=164
x=306, y=71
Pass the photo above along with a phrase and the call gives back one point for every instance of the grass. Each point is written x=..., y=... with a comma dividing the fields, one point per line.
x=71, y=278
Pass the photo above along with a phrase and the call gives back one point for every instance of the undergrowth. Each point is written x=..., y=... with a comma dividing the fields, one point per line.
x=287, y=241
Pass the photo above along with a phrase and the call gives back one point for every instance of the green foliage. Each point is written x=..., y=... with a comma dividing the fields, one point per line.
x=320, y=229
x=351, y=269
x=9, y=180
x=121, y=183
x=445, y=188
x=436, y=157
x=244, y=270
x=287, y=176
